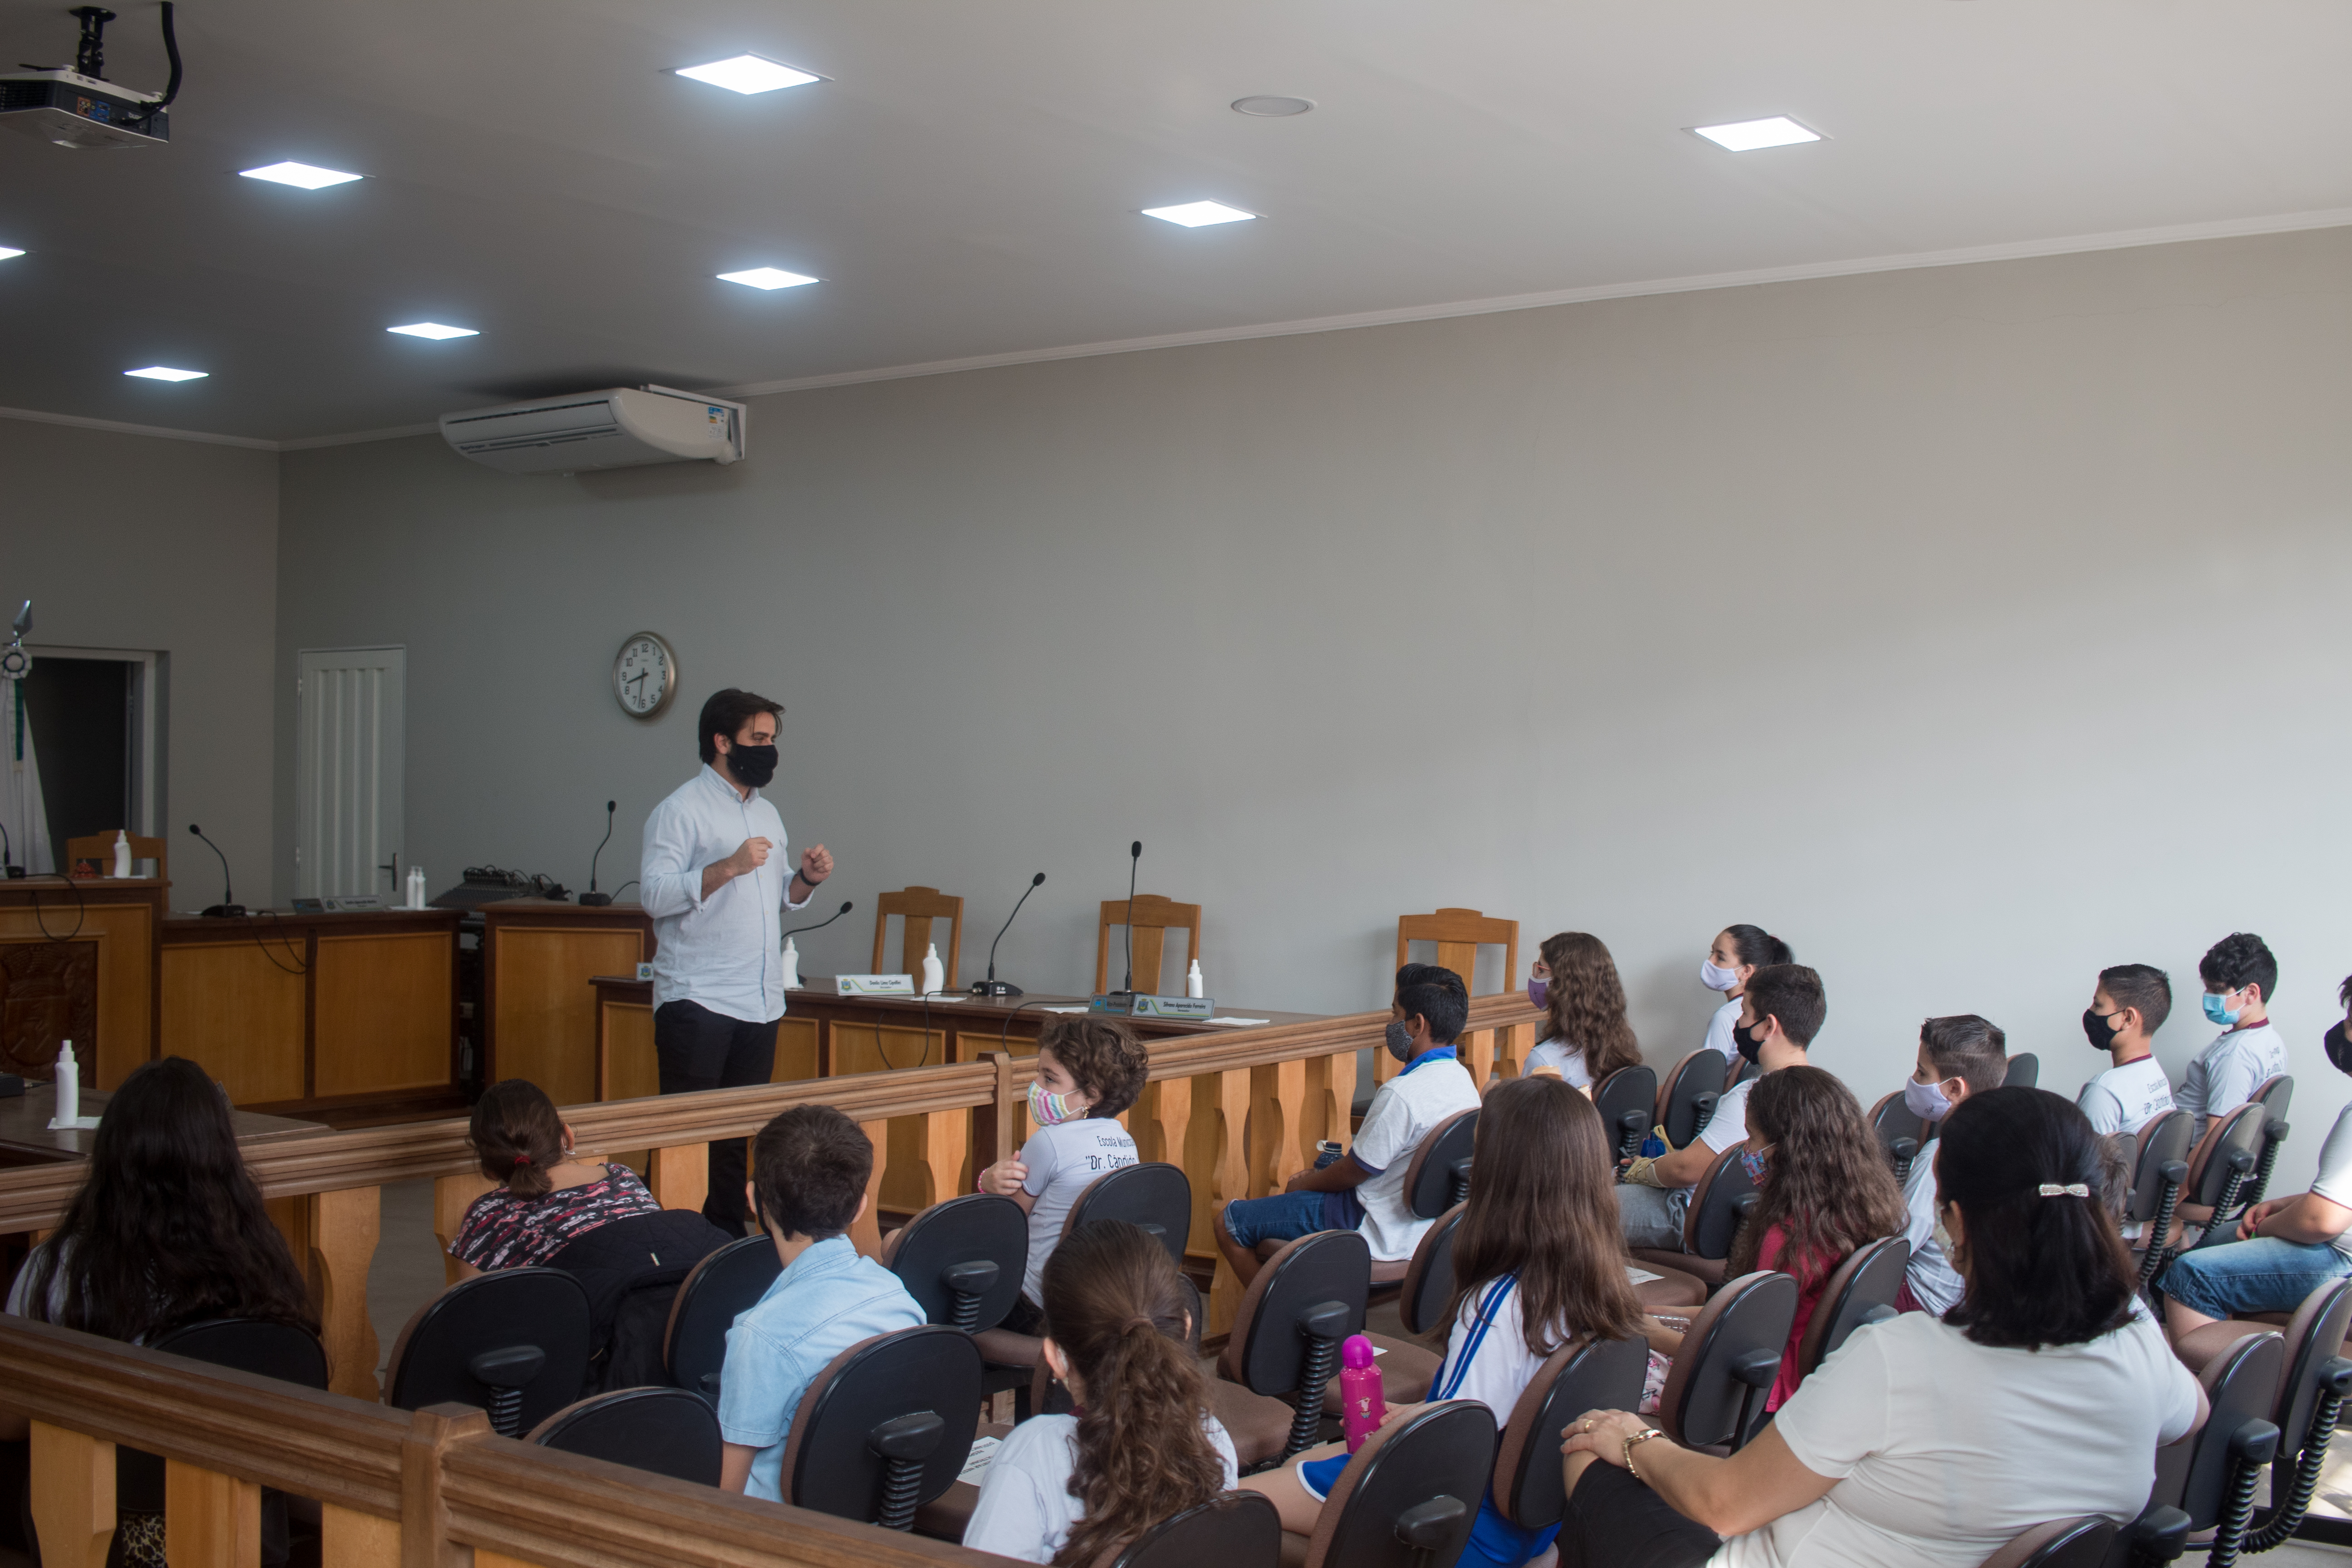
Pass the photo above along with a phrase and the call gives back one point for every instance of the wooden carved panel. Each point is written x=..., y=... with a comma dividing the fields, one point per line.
x=48, y=993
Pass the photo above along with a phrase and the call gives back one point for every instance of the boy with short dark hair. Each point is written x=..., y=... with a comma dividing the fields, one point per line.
x=809, y=1170
x=1364, y=1189
x=1960, y=1055
x=2128, y=1006
x=2240, y=976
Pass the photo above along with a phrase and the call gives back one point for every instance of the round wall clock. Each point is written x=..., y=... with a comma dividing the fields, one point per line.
x=645, y=676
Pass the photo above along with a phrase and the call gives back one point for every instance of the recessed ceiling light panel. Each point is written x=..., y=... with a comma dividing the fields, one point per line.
x=1266, y=106
x=1199, y=214
x=747, y=74
x=165, y=373
x=433, y=329
x=1748, y=135
x=765, y=278
x=301, y=174
x=8, y=251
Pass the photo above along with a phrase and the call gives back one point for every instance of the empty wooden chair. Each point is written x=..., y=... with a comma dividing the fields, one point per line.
x=98, y=848
x=1146, y=938
x=917, y=908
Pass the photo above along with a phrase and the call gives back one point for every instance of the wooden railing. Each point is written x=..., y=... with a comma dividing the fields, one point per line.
x=1238, y=1111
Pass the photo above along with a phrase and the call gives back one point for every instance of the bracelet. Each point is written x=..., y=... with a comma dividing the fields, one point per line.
x=1636, y=1441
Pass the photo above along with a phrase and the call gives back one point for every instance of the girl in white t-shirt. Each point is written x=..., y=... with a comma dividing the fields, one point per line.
x=1586, y=1036
x=1737, y=953
x=1142, y=1447
x=2043, y=1394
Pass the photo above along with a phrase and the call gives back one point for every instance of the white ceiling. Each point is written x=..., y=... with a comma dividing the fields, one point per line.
x=966, y=183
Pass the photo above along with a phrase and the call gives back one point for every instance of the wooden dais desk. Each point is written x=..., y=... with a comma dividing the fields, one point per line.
x=78, y=960
x=538, y=960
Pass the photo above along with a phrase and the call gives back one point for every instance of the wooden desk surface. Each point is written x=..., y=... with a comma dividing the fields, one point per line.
x=961, y=1005
x=24, y=1124
x=181, y=928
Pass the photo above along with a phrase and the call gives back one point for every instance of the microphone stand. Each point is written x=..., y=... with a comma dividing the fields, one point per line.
x=992, y=986
x=821, y=924
x=1134, y=859
x=591, y=899
x=228, y=908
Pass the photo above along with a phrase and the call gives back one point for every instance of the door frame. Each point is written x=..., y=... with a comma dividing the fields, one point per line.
x=149, y=727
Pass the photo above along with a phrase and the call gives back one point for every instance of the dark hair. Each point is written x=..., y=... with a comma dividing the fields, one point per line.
x=167, y=1228
x=1103, y=1056
x=517, y=1135
x=1115, y=1307
x=1585, y=1003
x=1967, y=1048
x=1543, y=1207
x=2145, y=987
x=1830, y=1189
x=2038, y=1270
x=809, y=1169
x=1433, y=992
x=2238, y=960
x=1792, y=993
x=1758, y=946
x=728, y=711
x=2344, y=993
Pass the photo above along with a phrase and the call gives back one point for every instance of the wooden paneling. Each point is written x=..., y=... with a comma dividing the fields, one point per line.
x=383, y=1012
x=796, y=1050
x=631, y=1070
x=544, y=1015
x=117, y=921
x=238, y=1009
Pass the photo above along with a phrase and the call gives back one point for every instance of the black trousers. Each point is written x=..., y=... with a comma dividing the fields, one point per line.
x=698, y=1049
x=1616, y=1521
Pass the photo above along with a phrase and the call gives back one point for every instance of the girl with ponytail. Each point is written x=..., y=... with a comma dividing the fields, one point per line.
x=1141, y=1446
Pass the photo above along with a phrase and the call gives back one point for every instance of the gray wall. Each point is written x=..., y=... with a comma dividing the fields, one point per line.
x=136, y=542
x=1972, y=628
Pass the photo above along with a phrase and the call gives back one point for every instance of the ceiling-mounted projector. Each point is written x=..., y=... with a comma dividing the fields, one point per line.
x=76, y=106
x=619, y=427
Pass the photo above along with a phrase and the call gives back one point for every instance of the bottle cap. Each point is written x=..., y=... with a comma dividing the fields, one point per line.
x=1356, y=1351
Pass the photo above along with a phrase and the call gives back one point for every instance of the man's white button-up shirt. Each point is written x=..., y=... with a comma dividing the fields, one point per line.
x=725, y=951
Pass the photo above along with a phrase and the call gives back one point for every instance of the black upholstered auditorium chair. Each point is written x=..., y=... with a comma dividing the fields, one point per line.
x=694, y=1347
x=1900, y=1133
x=2221, y=1165
x=1686, y=1098
x=2024, y=1071
x=1713, y=1398
x=2159, y=1170
x=2274, y=1095
x=1409, y=1495
x=1625, y=1100
x=1428, y=1283
x=2315, y=1377
x=2083, y=1543
x=1860, y=1291
x=1741, y=1071
x=514, y=1341
x=1712, y=1219
x=1232, y=1529
x=1585, y=1374
x=2211, y=1475
x=961, y=1261
x=885, y=1427
x=668, y=1431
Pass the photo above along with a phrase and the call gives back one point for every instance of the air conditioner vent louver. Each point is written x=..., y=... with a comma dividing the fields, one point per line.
x=617, y=428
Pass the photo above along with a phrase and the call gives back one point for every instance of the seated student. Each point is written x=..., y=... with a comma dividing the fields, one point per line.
x=2240, y=977
x=1826, y=1191
x=1536, y=1263
x=166, y=1229
x=550, y=1198
x=2044, y=1394
x=1586, y=1036
x=2286, y=1247
x=1088, y=1070
x=1738, y=952
x=1781, y=1010
x=1959, y=1055
x=809, y=1169
x=1141, y=1446
x=1364, y=1190
x=2130, y=1005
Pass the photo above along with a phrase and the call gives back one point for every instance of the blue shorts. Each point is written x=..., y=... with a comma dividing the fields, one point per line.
x=1284, y=1217
x=2264, y=1275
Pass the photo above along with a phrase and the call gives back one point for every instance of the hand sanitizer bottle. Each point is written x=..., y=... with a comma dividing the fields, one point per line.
x=68, y=1087
x=121, y=853
x=792, y=965
x=934, y=973
x=1194, y=984
x=1361, y=1406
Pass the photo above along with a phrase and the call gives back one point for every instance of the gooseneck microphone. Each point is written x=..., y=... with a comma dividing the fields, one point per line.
x=591, y=898
x=822, y=923
x=1134, y=861
x=992, y=986
x=228, y=908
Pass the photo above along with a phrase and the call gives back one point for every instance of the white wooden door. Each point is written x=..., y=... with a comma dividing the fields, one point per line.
x=347, y=757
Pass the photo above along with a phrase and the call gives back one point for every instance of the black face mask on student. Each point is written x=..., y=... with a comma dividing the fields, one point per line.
x=2100, y=1028
x=2338, y=1048
x=753, y=765
x=1746, y=1045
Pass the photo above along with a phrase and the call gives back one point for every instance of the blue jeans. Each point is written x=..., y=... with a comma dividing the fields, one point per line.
x=2264, y=1275
x=1284, y=1217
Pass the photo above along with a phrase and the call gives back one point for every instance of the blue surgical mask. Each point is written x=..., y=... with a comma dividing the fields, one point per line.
x=1925, y=1100
x=2216, y=1013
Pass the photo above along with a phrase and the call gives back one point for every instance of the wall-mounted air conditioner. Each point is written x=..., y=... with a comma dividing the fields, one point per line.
x=618, y=428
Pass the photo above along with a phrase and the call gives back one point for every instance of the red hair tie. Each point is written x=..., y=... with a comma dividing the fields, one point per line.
x=522, y=1159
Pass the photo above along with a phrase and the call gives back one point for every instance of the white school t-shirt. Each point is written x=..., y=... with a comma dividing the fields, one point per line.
x=1943, y=1449
x=1729, y=1125
x=1026, y=1509
x=2126, y=1098
x=2334, y=1182
x=1566, y=1060
x=1064, y=1161
x=1935, y=1284
x=2225, y=1074
x=1718, y=1031
x=1408, y=1107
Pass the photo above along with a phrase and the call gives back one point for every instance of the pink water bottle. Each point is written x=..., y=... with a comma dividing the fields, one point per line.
x=1361, y=1408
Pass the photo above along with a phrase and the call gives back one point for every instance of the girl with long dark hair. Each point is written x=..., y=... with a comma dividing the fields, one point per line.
x=1586, y=1036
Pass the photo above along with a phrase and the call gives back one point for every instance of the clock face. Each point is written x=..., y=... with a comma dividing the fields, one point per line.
x=645, y=676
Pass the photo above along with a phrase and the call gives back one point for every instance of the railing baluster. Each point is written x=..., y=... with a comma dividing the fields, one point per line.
x=210, y=1519
x=72, y=1486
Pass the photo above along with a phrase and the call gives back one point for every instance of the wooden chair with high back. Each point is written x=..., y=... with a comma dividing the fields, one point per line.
x=918, y=907
x=98, y=848
x=1458, y=935
x=1153, y=918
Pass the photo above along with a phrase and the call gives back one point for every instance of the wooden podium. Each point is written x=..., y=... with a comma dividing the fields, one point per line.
x=78, y=960
x=538, y=960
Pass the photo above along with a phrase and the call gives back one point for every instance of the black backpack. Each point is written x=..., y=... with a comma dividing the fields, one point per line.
x=631, y=1268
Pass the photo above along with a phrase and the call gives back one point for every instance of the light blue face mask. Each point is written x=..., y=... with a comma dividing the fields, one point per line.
x=2216, y=1013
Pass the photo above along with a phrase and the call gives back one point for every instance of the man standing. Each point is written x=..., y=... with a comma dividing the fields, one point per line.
x=707, y=881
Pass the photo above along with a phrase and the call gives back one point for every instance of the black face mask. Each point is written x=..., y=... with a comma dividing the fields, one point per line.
x=1744, y=1043
x=753, y=765
x=2339, y=1049
x=2100, y=1028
